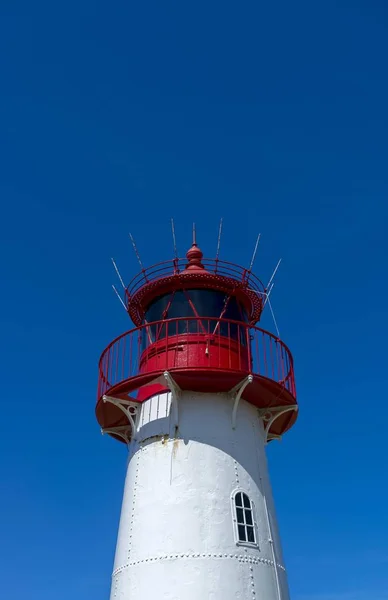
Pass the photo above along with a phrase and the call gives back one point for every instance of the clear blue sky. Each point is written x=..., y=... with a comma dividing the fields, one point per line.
x=117, y=116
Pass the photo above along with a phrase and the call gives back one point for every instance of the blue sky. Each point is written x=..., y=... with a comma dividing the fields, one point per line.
x=116, y=117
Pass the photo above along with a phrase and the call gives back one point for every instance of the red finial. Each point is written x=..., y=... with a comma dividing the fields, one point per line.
x=194, y=256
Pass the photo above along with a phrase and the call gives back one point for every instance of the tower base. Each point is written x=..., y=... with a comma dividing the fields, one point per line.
x=183, y=536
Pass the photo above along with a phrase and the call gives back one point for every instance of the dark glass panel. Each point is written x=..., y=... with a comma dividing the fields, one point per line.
x=247, y=502
x=180, y=306
x=204, y=303
x=250, y=535
x=240, y=515
x=238, y=499
x=208, y=303
x=248, y=517
x=241, y=533
x=156, y=309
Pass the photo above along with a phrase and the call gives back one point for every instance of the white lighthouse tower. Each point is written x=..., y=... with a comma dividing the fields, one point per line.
x=196, y=390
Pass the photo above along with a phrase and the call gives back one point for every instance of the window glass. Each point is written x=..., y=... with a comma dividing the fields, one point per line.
x=247, y=502
x=156, y=309
x=250, y=535
x=240, y=515
x=244, y=518
x=248, y=517
x=241, y=533
x=207, y=303
x=188, y=304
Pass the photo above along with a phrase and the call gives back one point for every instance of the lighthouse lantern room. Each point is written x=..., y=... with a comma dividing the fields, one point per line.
x=196, y=390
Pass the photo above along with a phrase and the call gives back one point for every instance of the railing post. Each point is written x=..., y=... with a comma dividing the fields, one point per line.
x=248, y=342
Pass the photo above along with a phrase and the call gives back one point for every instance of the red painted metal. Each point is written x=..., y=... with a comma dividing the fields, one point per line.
x=178, y=265
x=194, y=256
x=200, y=272
x=202, y=354
x=198, y=350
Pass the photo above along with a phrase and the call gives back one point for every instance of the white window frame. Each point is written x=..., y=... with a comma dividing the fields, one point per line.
x=254, y=544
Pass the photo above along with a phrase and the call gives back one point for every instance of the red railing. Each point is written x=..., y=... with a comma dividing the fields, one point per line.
x=195, y=344
x=177, y=265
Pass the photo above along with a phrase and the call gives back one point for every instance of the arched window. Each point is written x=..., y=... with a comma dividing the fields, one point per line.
x=245, y=524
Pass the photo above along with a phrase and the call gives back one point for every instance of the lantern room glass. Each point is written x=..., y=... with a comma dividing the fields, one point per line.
x=193, y=306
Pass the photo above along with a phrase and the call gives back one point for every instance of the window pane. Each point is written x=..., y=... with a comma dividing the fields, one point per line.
x=240, y=515
x=180, y=306
x=238, y=499
x=241, y=533
x=248, y=517
x=247, y=503
x=207, y=303
x=251, y=534
x=157, y=307
x=235, y=311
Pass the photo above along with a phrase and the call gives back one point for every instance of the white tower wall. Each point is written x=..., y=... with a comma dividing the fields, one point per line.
x=178, y=537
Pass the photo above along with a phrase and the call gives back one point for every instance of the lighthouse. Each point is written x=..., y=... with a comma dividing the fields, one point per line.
x=196, y=390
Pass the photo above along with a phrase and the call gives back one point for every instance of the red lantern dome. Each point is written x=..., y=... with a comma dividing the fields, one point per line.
x=195, y=319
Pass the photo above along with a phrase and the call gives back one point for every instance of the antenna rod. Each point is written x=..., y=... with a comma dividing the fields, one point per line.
x=273, y=274
x=219, y=239
x=119, y=297
x=174, y=238
x=267, y=295
x=254, y=253
x=118, y=273
x=136, y=252
x=273, y=316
